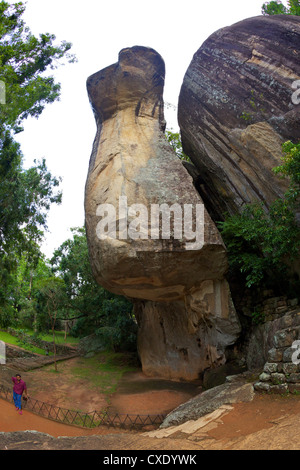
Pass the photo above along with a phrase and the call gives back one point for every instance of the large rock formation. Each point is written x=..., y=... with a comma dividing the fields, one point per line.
x=238, y=103
x=176, y=280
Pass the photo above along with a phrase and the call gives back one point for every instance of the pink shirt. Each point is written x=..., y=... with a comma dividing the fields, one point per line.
x=19, y=387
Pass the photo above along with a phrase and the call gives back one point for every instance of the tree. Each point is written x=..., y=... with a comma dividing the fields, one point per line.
x=53, y=293
x=25, y=198
x=71, y=262
x=95, y=309
x=277, y=8
x=274, y=8
x=24, y=59
x=118, y=331
x=290, y=167
x=294, y=7
x=174, y=140
x=262, y=244
x=27, y=280
x=25, y=195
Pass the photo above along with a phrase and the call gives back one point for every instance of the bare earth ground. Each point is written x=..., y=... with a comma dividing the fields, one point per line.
x=268, y=422
x=136, y=393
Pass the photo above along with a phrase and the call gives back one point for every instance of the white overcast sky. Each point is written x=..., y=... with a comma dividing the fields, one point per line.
x=98, y=30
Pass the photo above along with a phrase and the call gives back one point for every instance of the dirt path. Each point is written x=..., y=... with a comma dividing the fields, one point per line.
x=267, y=422
x=135, y=394
x=10, y=421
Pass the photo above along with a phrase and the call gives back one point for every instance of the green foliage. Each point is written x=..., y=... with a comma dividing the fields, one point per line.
x=52, y=295
x=256, y=103
x=32, y=293
x=25, y=195
x=103, y=371
x=97, y=310
x=274, y=8
x=43, y=294
x=294, y=7
x=26, y=341
x=174, y=140
x=291, y=167
x=50, y=302
x=258, y=242
x=7, y=316
x=20, y=292
x=258, y=317
x=23, y=60
x=25, y=198
x=262, y=244
x=84, y=296
x=118, y=329
x=277, y=8
x=71, y=262
x=20, y=339
x=246, y=116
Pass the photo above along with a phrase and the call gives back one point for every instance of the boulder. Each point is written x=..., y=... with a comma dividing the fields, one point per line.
x=173, y=266
x=209, y=401
x=238, y=103
x=181, y=339
x=91, y=345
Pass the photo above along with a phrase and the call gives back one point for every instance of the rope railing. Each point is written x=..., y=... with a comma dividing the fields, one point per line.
x=84, y=419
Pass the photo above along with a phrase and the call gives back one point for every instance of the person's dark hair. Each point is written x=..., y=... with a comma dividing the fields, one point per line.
x=18, y=375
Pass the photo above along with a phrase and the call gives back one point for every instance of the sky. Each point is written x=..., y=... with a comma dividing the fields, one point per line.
x=98, y=30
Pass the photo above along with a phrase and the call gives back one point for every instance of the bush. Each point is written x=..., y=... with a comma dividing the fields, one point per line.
x=6, y=317
x=263, y=244
x=119, y=328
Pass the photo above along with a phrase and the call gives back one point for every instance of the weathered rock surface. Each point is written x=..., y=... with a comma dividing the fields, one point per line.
x=90, y=345
x=183, y=338
x=209, y=401
x=184, y=309
x=237, y=105
x=132, y=159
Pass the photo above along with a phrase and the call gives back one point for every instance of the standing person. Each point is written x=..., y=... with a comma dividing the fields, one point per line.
x=18, y=389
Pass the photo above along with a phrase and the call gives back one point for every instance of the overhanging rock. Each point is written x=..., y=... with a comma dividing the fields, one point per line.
x=149, y=236
x=238, y=103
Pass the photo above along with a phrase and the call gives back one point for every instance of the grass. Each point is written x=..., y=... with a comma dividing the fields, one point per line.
x=59, y=339
x=103, y=371
x=10, y=339
x=7, y=338
x=59, y=336
x=100, y=374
